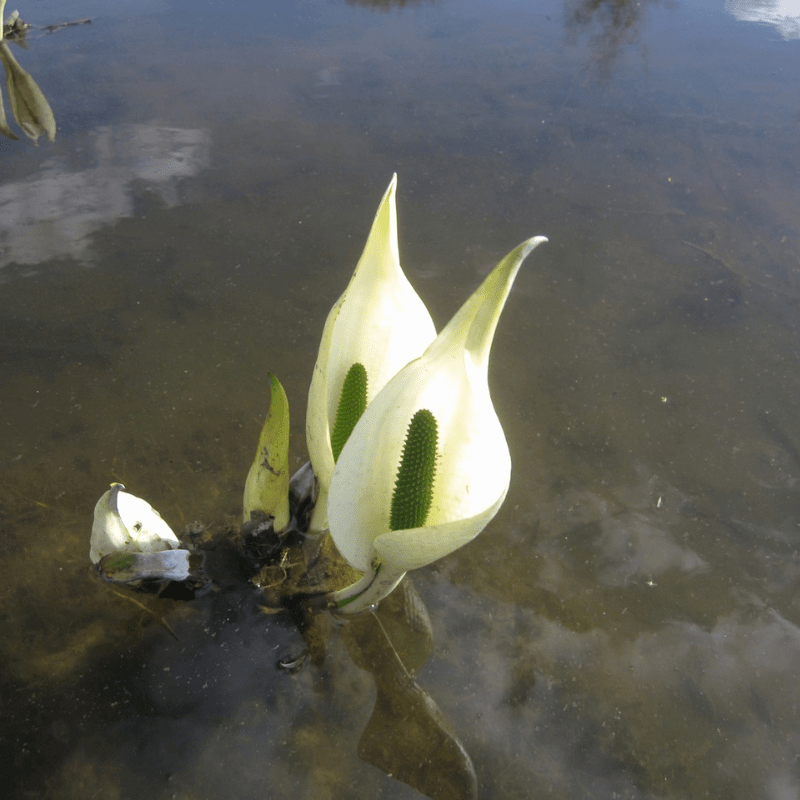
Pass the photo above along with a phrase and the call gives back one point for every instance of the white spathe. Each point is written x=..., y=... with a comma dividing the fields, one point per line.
x=473, y=465
x=379, y=322
x=124, y=522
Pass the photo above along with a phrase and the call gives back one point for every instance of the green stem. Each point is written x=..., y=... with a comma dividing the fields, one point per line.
x=366, y=593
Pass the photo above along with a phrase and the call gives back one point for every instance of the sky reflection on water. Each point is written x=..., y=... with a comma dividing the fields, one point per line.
x=628, y=624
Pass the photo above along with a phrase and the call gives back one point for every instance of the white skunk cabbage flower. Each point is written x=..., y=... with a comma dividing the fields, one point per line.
x=375, y=328
x=427, y=465
x=123, y=522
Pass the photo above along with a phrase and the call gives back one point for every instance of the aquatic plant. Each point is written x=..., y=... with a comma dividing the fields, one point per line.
x=408, y=456
x=427, y=465
x=408, y=463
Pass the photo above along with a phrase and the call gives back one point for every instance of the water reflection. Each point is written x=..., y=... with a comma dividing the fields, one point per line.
x=612, y=24
x=782, y=14
x=387, y=5
x=53, y=214
x=679, y=709
x=629, y=624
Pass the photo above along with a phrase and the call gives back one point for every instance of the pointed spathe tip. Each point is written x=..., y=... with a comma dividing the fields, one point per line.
x=524, y=250
x=391, y=190
x=474, y=324
x=381, y=249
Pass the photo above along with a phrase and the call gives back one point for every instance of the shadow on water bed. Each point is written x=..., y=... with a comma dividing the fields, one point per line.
x=117, y=688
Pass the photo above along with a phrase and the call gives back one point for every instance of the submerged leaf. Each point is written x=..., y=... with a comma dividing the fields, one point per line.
x=408, y=738
x=407, y=735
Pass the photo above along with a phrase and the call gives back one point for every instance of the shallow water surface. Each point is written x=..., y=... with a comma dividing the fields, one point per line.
x=627, y=626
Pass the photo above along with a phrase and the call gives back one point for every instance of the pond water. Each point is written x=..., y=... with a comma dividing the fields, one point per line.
x=627, y=626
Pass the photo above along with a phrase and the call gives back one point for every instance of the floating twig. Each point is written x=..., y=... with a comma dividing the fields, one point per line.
x=61, y=25
x=149, y=611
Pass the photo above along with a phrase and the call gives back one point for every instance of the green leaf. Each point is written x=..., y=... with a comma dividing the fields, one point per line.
x=267, y=486
x=28, y=105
